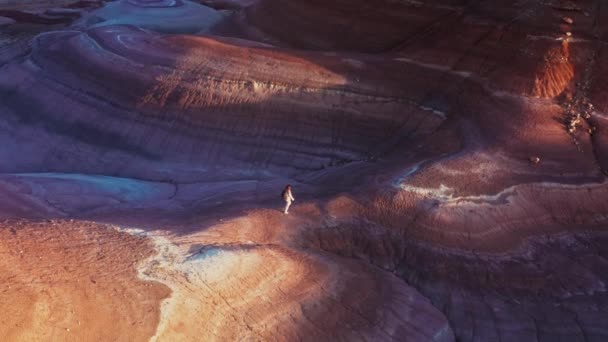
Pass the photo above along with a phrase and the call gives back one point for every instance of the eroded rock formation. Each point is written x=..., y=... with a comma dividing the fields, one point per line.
x=449, y=161
x=65, y=280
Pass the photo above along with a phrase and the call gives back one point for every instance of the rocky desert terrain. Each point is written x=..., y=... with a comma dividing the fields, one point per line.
x=448, y=159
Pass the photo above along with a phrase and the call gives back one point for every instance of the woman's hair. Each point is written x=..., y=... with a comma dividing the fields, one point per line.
x=287, y=187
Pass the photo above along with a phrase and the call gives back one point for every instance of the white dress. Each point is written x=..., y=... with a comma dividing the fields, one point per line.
x=288, y=197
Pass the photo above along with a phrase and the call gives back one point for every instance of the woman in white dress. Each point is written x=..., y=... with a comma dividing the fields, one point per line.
x=288, y=198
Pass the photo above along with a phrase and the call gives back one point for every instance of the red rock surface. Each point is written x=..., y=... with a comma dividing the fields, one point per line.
x=449, y=161
x=66, y=280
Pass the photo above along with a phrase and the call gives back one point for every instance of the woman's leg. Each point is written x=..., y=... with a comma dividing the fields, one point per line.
x=287, y=204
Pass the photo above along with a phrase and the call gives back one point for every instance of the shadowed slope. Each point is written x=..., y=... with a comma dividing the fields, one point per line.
x=204, y=103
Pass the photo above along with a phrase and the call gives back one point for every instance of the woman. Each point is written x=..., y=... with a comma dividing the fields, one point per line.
x=288, y=198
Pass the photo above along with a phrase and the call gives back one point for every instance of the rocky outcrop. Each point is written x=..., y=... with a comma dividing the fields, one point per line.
x=542, y=289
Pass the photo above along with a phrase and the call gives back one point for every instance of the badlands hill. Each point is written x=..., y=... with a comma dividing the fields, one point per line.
x=449, y=161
